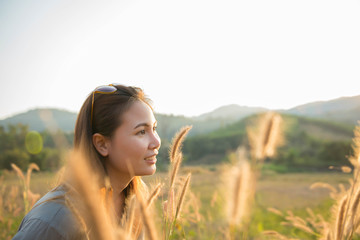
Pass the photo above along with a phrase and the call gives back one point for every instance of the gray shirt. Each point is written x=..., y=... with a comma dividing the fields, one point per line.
x=49, y=220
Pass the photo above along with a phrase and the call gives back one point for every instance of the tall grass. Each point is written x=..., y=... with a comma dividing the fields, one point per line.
x=174, y=210
x=176, y=195
x=345, y=216
x=29, y=197
x=264, y=136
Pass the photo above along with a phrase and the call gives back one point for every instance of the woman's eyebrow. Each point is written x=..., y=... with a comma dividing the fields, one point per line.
x=144, y=125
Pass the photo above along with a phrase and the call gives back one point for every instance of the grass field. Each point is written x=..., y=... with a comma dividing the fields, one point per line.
x=290, y=191
x=282, y=191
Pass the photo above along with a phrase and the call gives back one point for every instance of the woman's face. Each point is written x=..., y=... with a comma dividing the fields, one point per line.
x=135, y=143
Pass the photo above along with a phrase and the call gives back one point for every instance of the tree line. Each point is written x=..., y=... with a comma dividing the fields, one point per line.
x=13, y=148
x=301, y=151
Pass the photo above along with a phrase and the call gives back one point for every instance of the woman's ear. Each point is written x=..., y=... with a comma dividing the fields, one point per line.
x=101, y=144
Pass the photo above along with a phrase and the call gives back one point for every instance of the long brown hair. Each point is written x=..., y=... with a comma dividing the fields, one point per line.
x=107, y=116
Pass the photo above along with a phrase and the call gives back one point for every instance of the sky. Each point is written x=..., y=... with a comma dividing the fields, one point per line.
x=189, y=56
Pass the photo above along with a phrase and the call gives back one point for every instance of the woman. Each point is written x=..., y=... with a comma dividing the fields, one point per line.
x=116, y=133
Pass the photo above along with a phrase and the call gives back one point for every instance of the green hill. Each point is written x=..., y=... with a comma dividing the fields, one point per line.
x=309, y=143
x=344, y=109
x=168, y=125
x=230, y=112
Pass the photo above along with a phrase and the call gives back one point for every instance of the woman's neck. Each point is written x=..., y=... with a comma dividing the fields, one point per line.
x=118, y=181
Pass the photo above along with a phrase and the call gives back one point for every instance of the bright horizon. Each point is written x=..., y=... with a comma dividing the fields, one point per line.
x=190, y=57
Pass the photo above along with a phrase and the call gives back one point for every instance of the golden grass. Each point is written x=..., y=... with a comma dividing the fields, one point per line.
x=87, y=199
x=182, y=196
x=265, y=136
x=238, y=191
x=29, y=197
x=147, y=220
x=155, y=193
x=345, y=218
x=179, y=137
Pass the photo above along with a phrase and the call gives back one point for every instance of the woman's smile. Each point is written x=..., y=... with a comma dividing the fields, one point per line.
x=151, y=159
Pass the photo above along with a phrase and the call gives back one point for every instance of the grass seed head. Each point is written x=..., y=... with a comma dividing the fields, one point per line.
x=177, y=142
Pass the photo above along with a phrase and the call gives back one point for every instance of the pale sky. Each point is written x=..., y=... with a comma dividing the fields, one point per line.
x=190, y=56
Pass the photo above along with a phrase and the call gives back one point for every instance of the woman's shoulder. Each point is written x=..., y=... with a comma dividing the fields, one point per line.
x=50, y=218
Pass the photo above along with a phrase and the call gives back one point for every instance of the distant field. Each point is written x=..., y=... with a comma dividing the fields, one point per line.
x=284, y=191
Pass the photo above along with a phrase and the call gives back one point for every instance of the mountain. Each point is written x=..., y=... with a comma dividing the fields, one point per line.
x=168, y=125
x=44, y=118
x=344, y=109
x=233, y=112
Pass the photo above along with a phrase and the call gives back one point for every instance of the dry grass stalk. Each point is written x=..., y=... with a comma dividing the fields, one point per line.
x=182, y=196
x=272, y=135
x=314, y=225
x=170, y=212
x=340, y=217
x=355, y=159
x=311, y=213
x=18, y=172
x=31, y=167
x=169, y=206
x=10, y=208
x=326, y=234
x=346, y=169
x=175, y=168
x=85, y=183
x=300, y=223
x=196, y=204
x=355, y=204
x=243, y=190
x=191, y=208
x=304, y=228
x=147, y=220
x=237, y=195
x=78, y=217
x=350, y=226
x=177, y=142
x=275, y=211
x=28, y=197
x=323, y=185
x=154, y=194
x=342, y=188
x=266, y=136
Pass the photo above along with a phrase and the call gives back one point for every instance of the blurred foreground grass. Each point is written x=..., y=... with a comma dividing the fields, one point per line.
x=289, y=191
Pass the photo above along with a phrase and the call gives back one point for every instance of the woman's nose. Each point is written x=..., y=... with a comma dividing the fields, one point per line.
x=155, y=141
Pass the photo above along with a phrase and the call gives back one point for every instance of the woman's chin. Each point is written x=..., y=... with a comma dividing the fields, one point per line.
x=149, y=171
x=153, y=170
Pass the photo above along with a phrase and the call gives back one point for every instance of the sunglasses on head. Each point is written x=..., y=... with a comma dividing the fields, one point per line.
x=106, y=89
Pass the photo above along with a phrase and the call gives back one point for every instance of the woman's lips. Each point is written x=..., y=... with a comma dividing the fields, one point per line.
x=151, y=160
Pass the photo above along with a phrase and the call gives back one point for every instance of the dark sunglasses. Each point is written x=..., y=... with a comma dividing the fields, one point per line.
x=107, y=89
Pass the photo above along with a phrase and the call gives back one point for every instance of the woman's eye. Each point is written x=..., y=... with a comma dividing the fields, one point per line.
x=142, y=132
